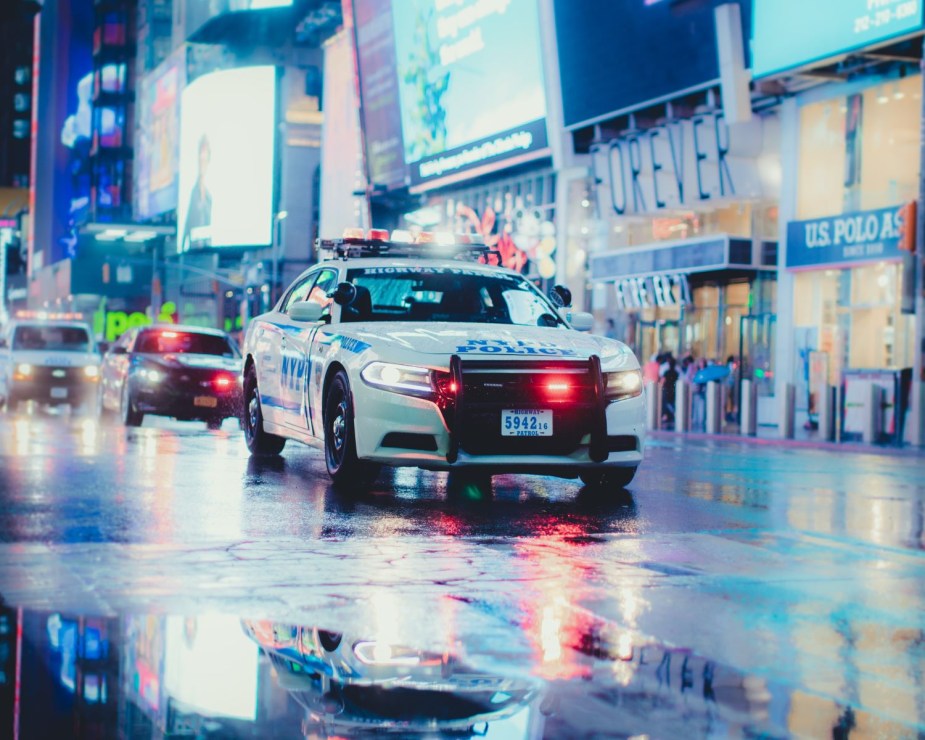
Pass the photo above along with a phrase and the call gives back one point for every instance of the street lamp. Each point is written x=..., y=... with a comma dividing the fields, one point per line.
x=279, y=217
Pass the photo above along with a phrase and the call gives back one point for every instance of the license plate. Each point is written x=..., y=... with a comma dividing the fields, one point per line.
x=526, y=423
x=59, y=392
x=207, y=401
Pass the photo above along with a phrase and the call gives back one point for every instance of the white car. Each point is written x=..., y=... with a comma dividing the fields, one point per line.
x=419, y=355
x=50, y=359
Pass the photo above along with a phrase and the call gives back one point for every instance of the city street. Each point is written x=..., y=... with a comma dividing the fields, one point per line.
x=737, y=589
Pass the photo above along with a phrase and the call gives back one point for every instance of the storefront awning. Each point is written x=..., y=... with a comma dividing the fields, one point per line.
x=703, y=254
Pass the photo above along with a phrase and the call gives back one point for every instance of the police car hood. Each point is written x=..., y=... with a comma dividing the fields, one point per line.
x=183, y=360
x=401, y=341
x=51, y=358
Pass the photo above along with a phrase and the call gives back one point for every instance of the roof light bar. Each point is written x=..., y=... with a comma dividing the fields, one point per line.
x=48, y=316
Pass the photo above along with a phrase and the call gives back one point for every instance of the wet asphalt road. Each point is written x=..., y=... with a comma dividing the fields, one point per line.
x=736, y=589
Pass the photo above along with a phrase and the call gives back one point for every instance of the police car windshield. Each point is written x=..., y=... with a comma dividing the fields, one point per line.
x=47, y=338
x=446, y=294
x=165, y=342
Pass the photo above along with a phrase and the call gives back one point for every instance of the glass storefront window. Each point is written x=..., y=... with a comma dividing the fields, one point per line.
x=860, y=152
x=854, y=316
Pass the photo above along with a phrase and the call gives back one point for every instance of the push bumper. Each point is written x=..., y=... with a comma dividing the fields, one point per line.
x=400, y=430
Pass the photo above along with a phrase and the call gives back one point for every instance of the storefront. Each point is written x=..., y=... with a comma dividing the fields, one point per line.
x=849, y=247
x=513, y=214
x=677, y=231
x=709, y=298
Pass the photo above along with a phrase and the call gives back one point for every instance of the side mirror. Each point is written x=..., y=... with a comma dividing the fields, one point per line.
x=305, y=311
x=561, y=296
x=119, y=350
x=344, y=294
x=579, y=320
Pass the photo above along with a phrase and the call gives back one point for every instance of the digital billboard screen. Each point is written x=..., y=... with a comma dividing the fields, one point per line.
x=617, y=56
x=460, y=86
x=227, y=135
x=792, y=33
x=157, y=137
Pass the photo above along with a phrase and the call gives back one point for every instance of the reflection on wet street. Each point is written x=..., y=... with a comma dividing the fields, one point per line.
x=158, y=581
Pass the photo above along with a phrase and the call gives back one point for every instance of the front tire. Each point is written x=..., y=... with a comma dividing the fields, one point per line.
x=340, y=450
x=258, y=441
x=609, y=478
x=131, y=416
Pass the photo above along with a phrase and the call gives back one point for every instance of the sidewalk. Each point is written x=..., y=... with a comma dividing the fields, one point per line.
x=768, y=436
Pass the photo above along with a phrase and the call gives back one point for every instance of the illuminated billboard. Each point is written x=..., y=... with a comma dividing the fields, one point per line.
x=157, y=137
x=463, y=88
x=793, y=33
x=227, y=134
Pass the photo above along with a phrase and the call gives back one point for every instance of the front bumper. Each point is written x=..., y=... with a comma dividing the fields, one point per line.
x=69, y=390
x=400, y=430
x=188, y=405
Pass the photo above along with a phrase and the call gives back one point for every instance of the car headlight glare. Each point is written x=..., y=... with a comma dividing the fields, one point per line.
x=24, y=370
x=92, y=371
x=622, y=384
x=151, y=375
x=407, y=379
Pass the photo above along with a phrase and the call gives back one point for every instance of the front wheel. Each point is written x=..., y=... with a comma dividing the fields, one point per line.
x=608, y=478
x=258, y=441
x=131, y=416
x=340, y=450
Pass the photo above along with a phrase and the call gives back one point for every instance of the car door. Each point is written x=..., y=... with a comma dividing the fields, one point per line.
x=270, y=350
x=296, y=354
x=114, y=369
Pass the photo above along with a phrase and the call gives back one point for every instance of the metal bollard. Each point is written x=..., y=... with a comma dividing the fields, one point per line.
x=826, y=413
x=873, y=413
x=683, y=396
x=653, y=406
x=714, y=409
x=749, y=408
x=837, y=421
x=788, y=402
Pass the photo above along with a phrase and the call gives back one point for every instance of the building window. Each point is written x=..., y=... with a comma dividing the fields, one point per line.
x=860, y=152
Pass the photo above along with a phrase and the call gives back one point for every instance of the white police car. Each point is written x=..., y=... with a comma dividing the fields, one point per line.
x=416, y=354
x=50, y=359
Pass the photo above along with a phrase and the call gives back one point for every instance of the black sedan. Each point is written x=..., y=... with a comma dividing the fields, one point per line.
x=185, y=372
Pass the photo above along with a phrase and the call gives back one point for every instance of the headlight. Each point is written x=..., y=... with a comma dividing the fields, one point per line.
x=408, y=379
x=92, y=371
x=381, y=653
x=623, y=384
x=24, y=370
x=151, y=375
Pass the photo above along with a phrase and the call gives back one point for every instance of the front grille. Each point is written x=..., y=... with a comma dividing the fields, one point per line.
x=410, y=441
x=489, y=387
x=57, y=375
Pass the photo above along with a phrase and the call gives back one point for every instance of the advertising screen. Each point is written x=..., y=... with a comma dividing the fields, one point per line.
x=210, y=666
x=615, y=56
x=227, y=132
x=157, y=141
x=458, y=84
x=792, y=33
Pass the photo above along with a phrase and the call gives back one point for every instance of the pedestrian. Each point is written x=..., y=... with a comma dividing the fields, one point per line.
x=610, y=330
x=650, y=369
x=669, y=379
x=731, y=383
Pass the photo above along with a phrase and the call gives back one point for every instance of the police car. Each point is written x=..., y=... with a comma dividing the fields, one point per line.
x=423, y=354
x=49, y=358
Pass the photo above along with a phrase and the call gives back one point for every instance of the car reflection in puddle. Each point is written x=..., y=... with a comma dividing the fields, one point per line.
x=220, y=676
x=349, y=685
